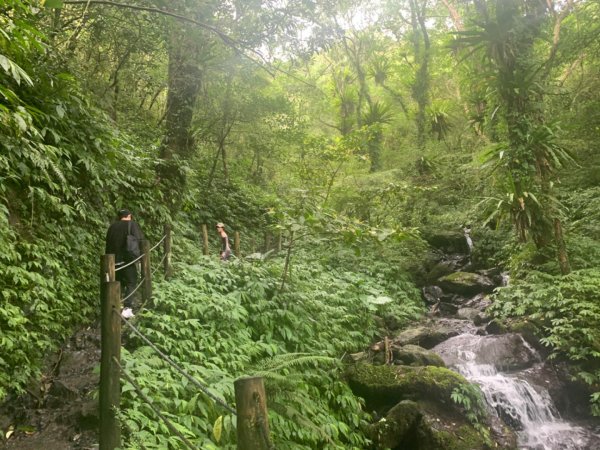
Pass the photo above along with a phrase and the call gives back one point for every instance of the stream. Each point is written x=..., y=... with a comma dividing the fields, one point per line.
x=525, y=407
x=511, y=374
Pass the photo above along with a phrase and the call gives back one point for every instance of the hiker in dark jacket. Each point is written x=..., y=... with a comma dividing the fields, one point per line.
x=116, y=244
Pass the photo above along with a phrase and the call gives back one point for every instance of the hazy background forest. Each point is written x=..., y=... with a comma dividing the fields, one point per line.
x=354, y=129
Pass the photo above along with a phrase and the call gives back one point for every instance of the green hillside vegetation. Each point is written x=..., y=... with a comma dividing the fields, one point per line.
x=353, y=143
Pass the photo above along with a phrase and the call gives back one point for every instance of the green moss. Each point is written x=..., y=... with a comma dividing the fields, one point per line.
x=464, y=437
x=396, y=383
x=461, y=277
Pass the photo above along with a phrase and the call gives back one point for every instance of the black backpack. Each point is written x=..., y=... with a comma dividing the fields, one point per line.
x=133, y=245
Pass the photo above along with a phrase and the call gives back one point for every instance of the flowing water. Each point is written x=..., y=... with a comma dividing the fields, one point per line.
x=526, y=408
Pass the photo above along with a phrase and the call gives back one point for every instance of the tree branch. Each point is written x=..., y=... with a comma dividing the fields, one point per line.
x=237, y=46
x=230, y=42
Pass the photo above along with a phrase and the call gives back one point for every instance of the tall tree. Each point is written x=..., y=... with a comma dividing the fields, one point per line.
x=529, y=154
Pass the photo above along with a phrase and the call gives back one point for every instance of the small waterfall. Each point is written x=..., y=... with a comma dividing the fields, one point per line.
x=467, y=233
x=526, y=409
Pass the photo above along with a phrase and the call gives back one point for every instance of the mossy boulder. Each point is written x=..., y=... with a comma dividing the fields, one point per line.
x=417, y=409
x=466, y=283
x=414, y=355
x=531, y=333
x=425, y=425
x=448, y=241
x=425, y=336
x=388, y=385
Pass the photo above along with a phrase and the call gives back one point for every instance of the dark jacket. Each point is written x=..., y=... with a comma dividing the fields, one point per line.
x=116, y=238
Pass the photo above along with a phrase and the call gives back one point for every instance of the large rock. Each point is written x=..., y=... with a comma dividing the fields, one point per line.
x=414, y=355
x=417, y=408
x=425, y=336
x=448, y=242
x=466, y=283
x=388, y=385
x=506, y=352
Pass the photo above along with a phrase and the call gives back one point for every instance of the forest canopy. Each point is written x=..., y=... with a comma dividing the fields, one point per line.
x=352, y=129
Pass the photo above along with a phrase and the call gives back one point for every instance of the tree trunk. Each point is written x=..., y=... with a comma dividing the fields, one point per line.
x=183, y=84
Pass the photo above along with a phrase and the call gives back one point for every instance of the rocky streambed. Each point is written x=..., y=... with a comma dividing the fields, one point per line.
x=419, y=383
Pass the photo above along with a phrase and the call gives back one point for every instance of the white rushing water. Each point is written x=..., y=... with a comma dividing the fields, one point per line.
x=525, y=408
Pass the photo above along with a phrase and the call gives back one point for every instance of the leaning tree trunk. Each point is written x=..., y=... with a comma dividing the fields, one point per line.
x=183, y=84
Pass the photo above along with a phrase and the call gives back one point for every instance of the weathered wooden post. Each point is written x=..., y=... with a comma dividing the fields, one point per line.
x=146, y=272
x=167, y=250
x=204, y=239
x=110, y=386
x=107, y=268
x=252, y=418
x=267, y=241
x=236, y=244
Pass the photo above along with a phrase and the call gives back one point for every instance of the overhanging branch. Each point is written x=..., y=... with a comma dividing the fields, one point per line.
x=227, y=40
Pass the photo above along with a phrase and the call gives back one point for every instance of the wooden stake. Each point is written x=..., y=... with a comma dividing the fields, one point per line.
x=167, y=251
x=110, y=387
x=204, y=239
x=252, y=418
x=107, y=268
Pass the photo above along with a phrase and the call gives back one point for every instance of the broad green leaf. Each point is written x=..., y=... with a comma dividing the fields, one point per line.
x=218, y=428
x=52, y=3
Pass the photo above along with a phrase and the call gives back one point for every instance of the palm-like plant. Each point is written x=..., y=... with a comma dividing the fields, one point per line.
x=529, y=153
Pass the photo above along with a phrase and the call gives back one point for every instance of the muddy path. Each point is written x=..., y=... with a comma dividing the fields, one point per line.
x=58, y=412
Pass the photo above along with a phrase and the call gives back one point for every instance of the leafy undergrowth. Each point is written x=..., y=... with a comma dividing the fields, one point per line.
x=568, y=310
x=223, y=321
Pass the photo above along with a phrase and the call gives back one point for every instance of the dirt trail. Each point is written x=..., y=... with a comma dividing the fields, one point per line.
x=60, y=411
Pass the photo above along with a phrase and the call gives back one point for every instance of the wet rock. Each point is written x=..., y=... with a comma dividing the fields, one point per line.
x=480, y=301
x=447, y=308
x=496, y=327
x=448, y=242
x=468, y=313
x=508, y=351
x=531, y=332
x=431, y=294
x=388, y=385
x=418, y=410
x=466, y=283
x=414, y=355
x=397, y=427
x=425, y=336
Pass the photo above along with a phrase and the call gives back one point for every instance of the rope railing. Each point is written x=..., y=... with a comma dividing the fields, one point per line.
x=135, y=290
x=159, y=242
x=121, y=267
x=139, y=391
x=252, y=426
x=190, y=378
x=160, y=263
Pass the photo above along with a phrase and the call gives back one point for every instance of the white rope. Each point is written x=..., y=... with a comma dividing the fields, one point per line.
x=159, y=242
x=129, y=263
x=134, y=291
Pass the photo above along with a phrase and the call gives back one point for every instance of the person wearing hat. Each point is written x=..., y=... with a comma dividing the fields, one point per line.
x=225, y=249
x=116, y=244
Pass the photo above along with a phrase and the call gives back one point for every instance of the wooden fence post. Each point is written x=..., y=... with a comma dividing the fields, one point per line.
x=252, y=418
x=107, y=268
x=110, y=386
x=167, y=250
x=204, y=239
x=146, y=272
x=236, y=244
x=267, y=241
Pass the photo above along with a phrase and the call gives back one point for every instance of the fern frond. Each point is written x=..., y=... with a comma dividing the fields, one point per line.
x=289, y=360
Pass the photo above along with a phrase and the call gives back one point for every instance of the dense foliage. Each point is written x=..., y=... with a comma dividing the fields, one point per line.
x=344, y=129
x=220, y=322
